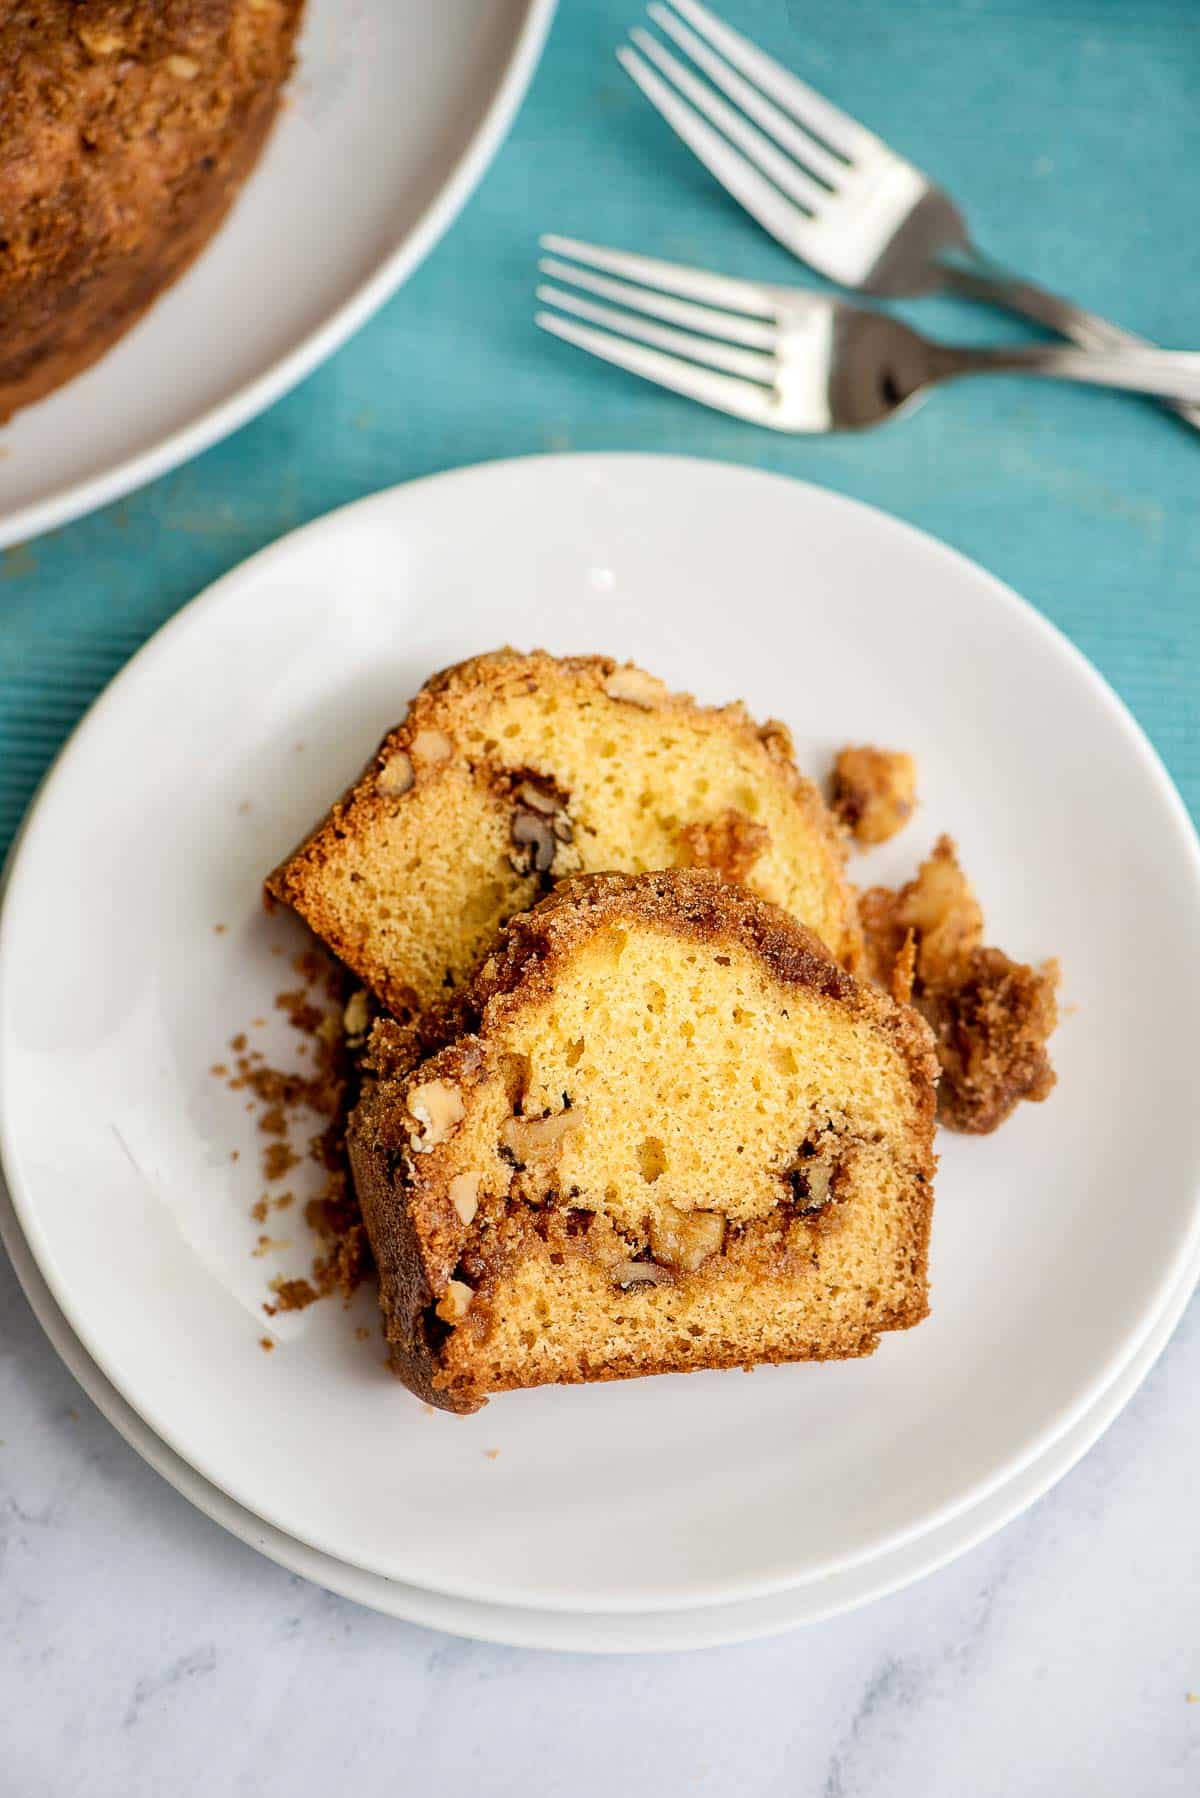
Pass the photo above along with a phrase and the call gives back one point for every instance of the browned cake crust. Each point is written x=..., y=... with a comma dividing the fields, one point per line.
x=512, y=770
x=412, y=1206
x=126, y=129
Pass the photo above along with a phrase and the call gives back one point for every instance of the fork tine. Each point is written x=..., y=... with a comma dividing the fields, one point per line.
x=751, y=365
x=744, y=399
x=838, y=129
x=791, y=179
x=738, y=176
x=806, y=149
x=726, y=325
x=672, y=277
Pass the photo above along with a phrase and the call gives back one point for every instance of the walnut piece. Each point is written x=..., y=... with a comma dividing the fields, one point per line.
x=464, y=1195
x=684, y=1240
x=534, y=843
x=639, y=1273
x=525, y=1137
x=635, y=687
x=432, y=746
x=811, y=1180
x=540, y=830
x=455, y=1302
x=538, y=799
x=438, y=1107
x=874, y=792
x=396, y=776
x=357, y=1014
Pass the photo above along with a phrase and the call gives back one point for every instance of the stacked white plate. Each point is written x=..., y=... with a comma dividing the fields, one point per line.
x=659, y=1513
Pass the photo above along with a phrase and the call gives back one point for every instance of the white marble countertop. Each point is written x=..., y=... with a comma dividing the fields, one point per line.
x=143, y=1651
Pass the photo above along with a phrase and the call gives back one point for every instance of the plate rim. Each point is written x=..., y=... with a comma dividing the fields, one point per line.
x=525, y=1627
x=727, y=1590
x=76, y=499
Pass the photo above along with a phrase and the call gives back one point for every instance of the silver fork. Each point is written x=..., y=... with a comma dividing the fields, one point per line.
x=790, y=359
x=828, y=189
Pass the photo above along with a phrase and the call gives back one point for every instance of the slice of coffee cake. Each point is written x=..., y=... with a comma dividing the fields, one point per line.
x=511, y=771
x=665, y=1131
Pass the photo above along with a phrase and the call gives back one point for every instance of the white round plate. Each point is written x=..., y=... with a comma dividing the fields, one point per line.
x=1056, y=1242
x=395, y=110
x=701, y=1626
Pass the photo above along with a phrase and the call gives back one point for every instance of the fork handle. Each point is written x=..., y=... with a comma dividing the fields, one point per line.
x=1167, y=374
x=979, y=278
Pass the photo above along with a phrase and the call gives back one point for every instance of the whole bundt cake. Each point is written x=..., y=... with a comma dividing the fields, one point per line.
x=126, y=130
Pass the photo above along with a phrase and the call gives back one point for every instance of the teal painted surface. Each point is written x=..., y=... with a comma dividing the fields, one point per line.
x=1068, y=130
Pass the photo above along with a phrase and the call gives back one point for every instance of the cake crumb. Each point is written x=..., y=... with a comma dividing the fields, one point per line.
x=280, y=1095
x=220, y=929
x=244, y=807
x=490, y=1454
x=266, y=1344
x=874, y=792
x=267, y=1243
x=428, y=1410
x=308, y=964
x=302, y=1013
x=235, y=1154
x=278, y=1159
x=362, y=1334
x=219, y=1070
x=291, y=1295
x=992, y=1016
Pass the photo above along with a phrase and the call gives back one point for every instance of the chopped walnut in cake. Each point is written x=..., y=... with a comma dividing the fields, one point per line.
x=541, y=831
x=874, y=792
x=992, y=1016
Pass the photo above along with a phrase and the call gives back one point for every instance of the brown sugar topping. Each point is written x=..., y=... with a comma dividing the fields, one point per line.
x=992, y=1016
x=731, y=844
